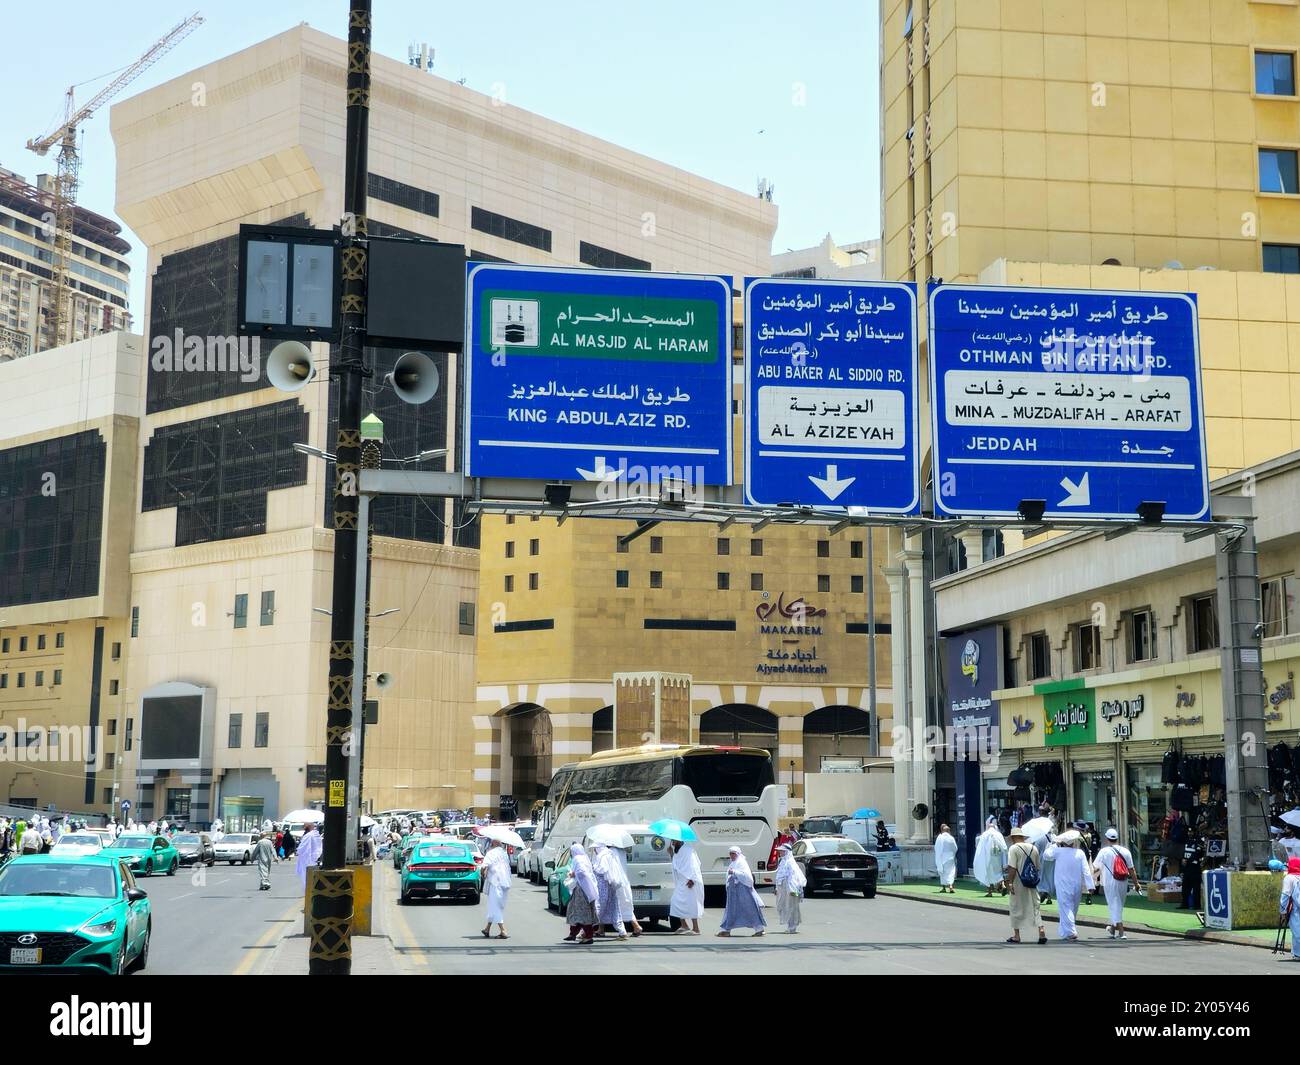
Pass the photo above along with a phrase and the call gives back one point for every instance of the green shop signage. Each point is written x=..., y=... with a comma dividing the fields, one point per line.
x=1069, y=713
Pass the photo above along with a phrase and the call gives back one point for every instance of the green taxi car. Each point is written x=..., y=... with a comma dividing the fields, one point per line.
x=557, y=895
x=145, y=854
x=442, y=867
x=72, y=913
x=403, y=848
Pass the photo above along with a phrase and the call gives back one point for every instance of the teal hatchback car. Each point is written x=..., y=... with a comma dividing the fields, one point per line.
x=145, y=854
x=441, y=868
x=72, y=914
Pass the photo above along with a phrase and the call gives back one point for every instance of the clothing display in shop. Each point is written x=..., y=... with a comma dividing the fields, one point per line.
x=1182, y=798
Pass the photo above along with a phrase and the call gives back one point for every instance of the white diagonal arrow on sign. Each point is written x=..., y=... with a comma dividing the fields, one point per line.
x=1078, y=493
x=831, y=484
x=601, y=471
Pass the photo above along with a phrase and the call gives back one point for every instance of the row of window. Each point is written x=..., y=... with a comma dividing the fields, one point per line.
x=38, y=680
x=534, y=582
x=261, y=730
x=622, y=578
x=23, y=642
x=723, y=547
x=240, y=613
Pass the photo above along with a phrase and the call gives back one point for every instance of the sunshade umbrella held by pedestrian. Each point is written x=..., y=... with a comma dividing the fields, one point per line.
x=867, y=811
x=671, y=829
x=306, y=817
x=501, y=834
x=1039, y=826
x=366, y=821
x=610, y=836
x=1292, y=817
x=1069, y=836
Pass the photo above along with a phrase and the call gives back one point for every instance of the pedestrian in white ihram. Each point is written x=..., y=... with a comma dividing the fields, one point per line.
x=687, y=903
x=625, y=912
x=497, y=881
x=1072, y=876
x=945, y=859
x=1115, y=864
x=790, y=883
x=990, y=858
x=265, y=856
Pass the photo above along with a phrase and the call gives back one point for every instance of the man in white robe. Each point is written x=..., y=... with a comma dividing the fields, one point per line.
x=496, y=882
x=687, y=903
x=1115, y=888
x=990, y=858
x=309, y=850
x=945, y=859
x=790, y=883
x=1072, y=876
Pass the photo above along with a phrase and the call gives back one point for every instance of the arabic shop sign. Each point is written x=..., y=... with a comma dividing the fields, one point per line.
x=1126, y=710
x=796, y=625
x=1070, y=717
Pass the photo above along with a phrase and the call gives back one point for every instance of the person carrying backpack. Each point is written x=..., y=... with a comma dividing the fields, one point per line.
x=1023, y=873
x=1118, y=874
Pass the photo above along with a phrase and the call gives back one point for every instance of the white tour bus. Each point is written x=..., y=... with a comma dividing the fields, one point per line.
x=727, y=794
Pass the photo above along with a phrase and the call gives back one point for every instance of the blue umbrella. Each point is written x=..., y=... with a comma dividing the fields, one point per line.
x=671, y=829
x=866, y=811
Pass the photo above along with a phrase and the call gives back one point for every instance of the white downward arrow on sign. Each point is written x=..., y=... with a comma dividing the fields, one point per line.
x=1078, y=493
x=831, y=483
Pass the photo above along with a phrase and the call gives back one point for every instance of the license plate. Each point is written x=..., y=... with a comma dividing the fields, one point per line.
x=642, y=894
x=848, y=874
x=442, y=885
x=25, y=956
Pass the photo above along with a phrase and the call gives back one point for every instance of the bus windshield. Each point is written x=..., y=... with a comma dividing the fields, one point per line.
x=726, y=776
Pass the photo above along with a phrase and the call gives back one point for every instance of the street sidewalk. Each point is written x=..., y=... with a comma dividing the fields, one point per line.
x=1141, y=914
x=371, y=956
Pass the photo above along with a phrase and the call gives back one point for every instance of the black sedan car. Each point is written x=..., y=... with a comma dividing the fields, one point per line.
x=194, y=848
x=836, y=864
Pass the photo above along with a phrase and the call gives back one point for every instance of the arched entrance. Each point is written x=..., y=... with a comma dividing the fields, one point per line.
x=602, y=729
x=831, y=732
x=528, y=743
x=739, y=725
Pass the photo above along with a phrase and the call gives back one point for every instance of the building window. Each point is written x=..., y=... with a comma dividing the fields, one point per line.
x=992, y=545
x=465, y=619
x=823, y=549
x=510, y=519
x=499, y=225
x=1275, y=73
x=724, y=545
x=58, y=677
x=58, y=639
x=40, y=641
x=22, y=644
x=534, y=547
x=1281, y=259
x=110, y=760
x=22, y=680
x=4, y=646
x=532, y=582
x=510, y=549
x=510, y=583
x=1277, y=602
x=130, y=730
x=107, y=796
x=622, y=546
x=1202, y=623
x=756, y=547
x=1277, y=171
x=855, y=549
x=1087, y=646
x=401, y=195
x=117, y=652
x=823, y=582
x=4, y=680
x=234, y=738
x=1141, y=636
x=604, y=259
x=656, y=578
x=261, y=729
x=755, y=582
x=39, y=682
x=724, y=581
x=620, y=578
x=112, y=687
x=856, y=583
x=656, y=545
x=112, y=726
x=268, y=609
x=241, y=611
x=1039, y=653
x=135, y=622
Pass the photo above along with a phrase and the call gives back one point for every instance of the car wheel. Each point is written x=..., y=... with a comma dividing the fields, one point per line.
x=142, y=959
x=869, y=893
x=148, y=868
x=838, y=892
x=172, y=870
x=232, y=861
x=245, y=861
x=122, y=966
x=403, y=899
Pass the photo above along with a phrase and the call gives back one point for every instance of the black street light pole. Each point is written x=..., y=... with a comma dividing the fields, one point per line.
x=330, y=898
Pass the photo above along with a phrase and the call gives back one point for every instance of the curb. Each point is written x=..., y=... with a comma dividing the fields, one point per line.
x=1199, y=934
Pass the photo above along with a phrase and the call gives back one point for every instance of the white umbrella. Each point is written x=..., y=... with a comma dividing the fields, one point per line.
x=502, y=834
x=367, y=822
x=610, y=836
x=1039, y=826
x=307, y=817
x=1069, y=836
x=1292, y=817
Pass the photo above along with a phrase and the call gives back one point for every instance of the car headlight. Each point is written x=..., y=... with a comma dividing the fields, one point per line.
x=101, y=928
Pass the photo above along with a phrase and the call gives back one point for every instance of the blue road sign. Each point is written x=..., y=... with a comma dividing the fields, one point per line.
x=579, y=374
x=1088, y=400
x=830, y=394
x=126, y=804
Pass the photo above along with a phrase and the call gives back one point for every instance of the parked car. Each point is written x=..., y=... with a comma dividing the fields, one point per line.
x=145, y=854
x=822, y=824
x=195, y=848
x=440, y=867
x=837, y=864
x=72, y=913
x=234, y=847
x=557, y=892
x=402, y=849
x=526, y=833
x=77, y=845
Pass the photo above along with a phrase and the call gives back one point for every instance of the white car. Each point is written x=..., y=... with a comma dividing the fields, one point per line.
x=526, y=832
x=78, y=844
x=234, y=847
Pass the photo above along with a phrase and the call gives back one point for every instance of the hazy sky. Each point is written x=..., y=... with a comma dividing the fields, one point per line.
x=731, y=91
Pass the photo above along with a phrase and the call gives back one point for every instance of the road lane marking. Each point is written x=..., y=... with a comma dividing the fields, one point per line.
x=391, y=908
x=270, y=937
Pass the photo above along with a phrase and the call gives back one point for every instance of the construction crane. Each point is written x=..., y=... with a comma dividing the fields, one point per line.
x=63, y=196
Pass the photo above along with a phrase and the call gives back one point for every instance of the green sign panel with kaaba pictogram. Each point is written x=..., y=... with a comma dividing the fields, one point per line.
x=1069, y=713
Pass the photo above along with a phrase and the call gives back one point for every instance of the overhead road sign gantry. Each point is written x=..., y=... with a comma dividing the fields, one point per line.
x=831, y=394
x=1078, y=403
x=597, y=375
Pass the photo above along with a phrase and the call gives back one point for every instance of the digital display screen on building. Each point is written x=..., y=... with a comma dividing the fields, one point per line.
x=171, y=727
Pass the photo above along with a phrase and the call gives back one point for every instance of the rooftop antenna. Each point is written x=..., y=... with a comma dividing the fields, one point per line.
x=420, y=56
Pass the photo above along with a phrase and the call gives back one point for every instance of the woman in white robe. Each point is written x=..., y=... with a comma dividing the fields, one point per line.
x=744, y=907
x=602, y=863
x=687, y=903
x=990, y=858
x=496, y=882
x=583, y=913
x=1073, y=874
x=624, y=912
x=945, y=859
x=309, y=851
x=790, y=884
x=1289, y=905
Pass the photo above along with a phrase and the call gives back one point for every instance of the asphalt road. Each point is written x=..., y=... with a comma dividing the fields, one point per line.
x=845, y=935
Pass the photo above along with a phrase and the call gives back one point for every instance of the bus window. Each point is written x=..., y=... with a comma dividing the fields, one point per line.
x=726, y=775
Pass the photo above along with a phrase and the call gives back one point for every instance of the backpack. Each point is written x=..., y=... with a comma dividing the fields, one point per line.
x=1029, y=874
x=1120, y=869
